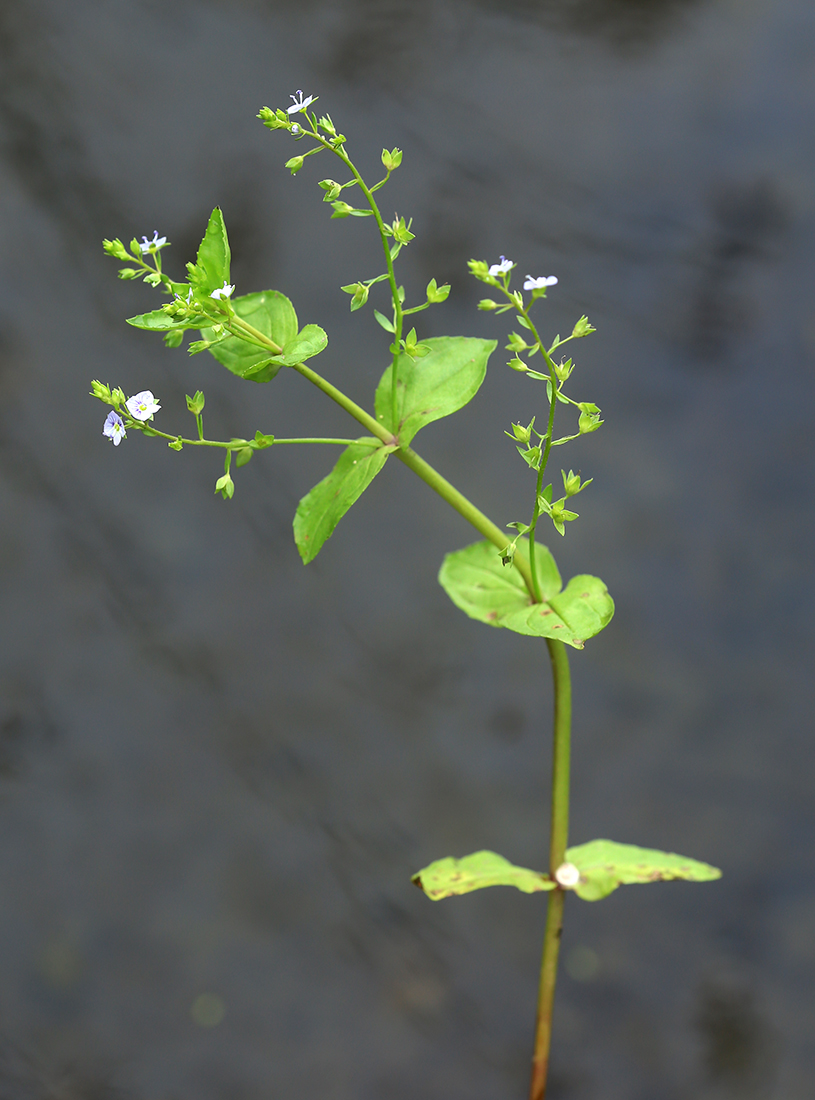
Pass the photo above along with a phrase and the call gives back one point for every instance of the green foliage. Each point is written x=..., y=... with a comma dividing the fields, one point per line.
x=309, y=341
x=439, y=384
x=158, y=321
x=480, y=585
x=319, y=512
x=270, y=313
x=211, y=268
x=450, y=876
x=604, y=865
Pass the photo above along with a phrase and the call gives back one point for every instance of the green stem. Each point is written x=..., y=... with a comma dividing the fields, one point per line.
x=558, y=839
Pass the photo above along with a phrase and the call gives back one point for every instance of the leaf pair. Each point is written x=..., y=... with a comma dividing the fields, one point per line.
x=603, y=865
x=478, y=583
x=435, y=386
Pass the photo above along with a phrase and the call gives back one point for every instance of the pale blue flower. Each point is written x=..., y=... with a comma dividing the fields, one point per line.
x=501, y=269
x=224, y=292
x=300, y=104
x=295, y=129
x=114, y=428
x=154, y=245
x=540, y=283
x=142, y=405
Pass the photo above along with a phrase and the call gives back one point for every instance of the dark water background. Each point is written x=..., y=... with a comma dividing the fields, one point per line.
x=218, y=769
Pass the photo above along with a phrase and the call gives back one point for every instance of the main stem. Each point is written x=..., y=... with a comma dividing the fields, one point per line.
x=558, y=838
x=563, y=705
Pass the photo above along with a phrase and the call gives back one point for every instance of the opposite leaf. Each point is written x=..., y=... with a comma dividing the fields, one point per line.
x=319, y=512
x=311, y=340
x=214, y=255
x=604, y=865
x=435, y=385
x=270, y=313
x=478, y=582
x=451, y=876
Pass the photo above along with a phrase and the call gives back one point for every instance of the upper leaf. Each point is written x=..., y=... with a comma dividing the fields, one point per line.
x=270, y=313
x=319, y=512
x=478, y=582
x=604, y=865
x=434, y=386
x=214, y=255
x=311, y=340
x=451, y=876
x=157, y=321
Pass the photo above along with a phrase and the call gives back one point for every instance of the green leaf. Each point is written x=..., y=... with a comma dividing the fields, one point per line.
x=439, y=384
x=484, y=588
x=451, y=876
x=311, y=340
x=319, y=512
x=214, y=255
x=270, y=313
x=157, y=321
x=604, y=865
x=384, y=322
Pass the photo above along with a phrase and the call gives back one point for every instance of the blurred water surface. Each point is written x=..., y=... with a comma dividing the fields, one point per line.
x=218, y=769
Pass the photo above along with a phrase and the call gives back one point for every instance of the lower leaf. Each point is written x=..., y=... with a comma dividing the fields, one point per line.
x=604, y=865
x=319, y=512
x=450, y=876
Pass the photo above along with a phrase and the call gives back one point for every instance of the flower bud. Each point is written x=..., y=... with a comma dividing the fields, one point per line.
x=195, y=404
x=225, y=486
x=391, y=160
x=583, y=328
x=480, y=270
x=101, y=391
x=517, y=364
x=487, y=304
x=294, y=164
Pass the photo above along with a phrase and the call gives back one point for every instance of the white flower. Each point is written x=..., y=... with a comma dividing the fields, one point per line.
x=540, y=283
x=224, y=292
x=567, y=875
x=300, y=104
x=142, y=405
x=154, y=245
x=295, y=128
x=504, y=266
x=114, y=428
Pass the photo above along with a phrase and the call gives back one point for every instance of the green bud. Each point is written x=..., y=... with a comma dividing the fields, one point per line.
x=128, y=273
x=480, y=270
x=225, y=486
x=135, y=248
x=517, y=364
x=516, y=343
x=332, y=189
x=341, y=209
x=487, y=304
x=437, y=293
x=391, y=160
x=153, y=278
x=401, y=232
x=174, y=338
x=117, y=396
x=360, y=294
x=531, y=457
x=175, y=444
x=101, y=391
x=195, y=404
x=520, y=434
x=583, y=328
x=327, y=124
x=243, y=456
x=294, y=164
x=116, y=249
x=589, y=420
x=273, y=119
